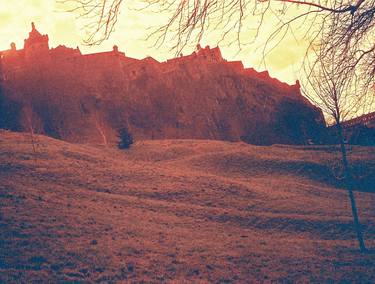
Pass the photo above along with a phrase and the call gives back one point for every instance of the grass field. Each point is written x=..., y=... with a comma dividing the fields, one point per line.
x=181, y=211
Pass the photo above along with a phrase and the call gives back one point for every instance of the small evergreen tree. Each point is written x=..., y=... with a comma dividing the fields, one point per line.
x=125, y=138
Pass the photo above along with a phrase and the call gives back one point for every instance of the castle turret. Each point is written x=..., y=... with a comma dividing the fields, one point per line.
x=36, y=46
x=208, y=54
x=13, y=47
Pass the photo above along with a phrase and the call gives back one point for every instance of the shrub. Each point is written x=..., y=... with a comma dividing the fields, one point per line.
x=125, y=138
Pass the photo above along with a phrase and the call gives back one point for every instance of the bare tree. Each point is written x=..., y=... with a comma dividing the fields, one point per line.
x=335, y=86
x=350, y=40
x=101, y=125
x=31, y=122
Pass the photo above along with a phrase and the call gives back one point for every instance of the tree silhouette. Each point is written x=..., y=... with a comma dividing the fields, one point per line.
x=335, y=86
x=125, y=138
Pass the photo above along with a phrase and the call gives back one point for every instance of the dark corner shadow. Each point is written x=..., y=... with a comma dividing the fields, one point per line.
x=369, y=251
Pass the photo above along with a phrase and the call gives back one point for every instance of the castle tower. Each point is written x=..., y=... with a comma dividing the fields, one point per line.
x=36, y=46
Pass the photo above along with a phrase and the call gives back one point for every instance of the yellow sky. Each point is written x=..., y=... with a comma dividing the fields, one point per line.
x=62, y=28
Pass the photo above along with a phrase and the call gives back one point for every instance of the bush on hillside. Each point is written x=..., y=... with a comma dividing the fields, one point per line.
x=125, y=138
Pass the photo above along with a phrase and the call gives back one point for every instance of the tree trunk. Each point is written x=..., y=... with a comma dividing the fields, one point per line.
x=349, y=187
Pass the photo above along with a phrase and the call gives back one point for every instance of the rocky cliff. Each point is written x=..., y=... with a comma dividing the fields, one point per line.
x=83, y=98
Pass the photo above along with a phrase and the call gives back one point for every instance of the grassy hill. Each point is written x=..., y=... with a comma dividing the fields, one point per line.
x=180, y=210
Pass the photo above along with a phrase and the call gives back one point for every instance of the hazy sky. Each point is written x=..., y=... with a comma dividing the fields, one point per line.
x=63, y=28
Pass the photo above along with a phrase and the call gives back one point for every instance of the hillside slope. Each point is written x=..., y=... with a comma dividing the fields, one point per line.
x=178, y=210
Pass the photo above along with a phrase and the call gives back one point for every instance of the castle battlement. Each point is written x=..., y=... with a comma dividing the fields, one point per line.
x=37, y=54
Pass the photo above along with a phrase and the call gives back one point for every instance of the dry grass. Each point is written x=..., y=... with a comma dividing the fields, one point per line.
x=179, y=210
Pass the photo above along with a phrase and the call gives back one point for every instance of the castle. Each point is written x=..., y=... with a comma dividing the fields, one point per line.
x=36, y=54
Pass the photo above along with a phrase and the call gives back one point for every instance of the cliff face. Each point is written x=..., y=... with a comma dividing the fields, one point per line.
x=87, y=97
